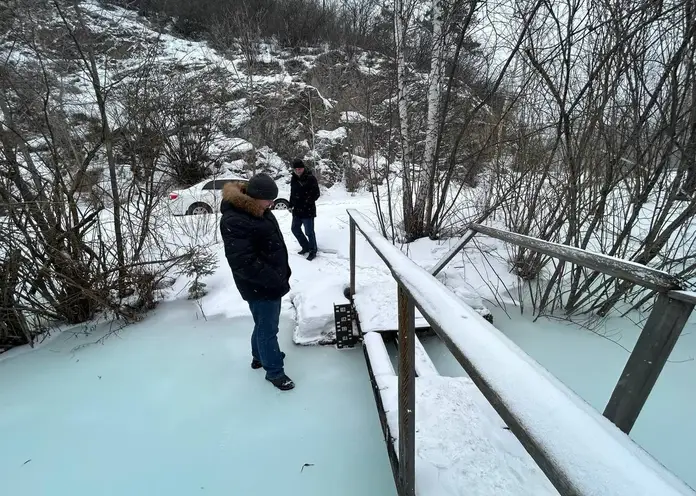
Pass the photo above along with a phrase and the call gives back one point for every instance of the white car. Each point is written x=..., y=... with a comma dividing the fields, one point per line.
x=205, y=197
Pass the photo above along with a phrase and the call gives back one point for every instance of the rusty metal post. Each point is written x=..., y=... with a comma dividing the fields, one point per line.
x=407, y=393
x=352, y=257
x=468, y=236
x=649, y=355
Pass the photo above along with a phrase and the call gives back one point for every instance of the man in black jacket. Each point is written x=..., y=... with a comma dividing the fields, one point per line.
x=304, y=193
x=256, y=253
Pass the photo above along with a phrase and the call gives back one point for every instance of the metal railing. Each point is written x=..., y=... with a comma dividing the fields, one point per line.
x=579, y=451
x=661, y=331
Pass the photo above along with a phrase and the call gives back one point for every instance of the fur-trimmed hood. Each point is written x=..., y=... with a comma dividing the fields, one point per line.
x=254, y=246
x=234, y=193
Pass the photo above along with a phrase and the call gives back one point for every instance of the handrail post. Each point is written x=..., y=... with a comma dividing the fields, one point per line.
x=468, y=236
x=649, y=355
x=407, y=393
x=352, y=257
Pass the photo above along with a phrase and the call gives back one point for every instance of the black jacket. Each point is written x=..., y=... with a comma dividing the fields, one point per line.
x=254, y=246
x=304, y=193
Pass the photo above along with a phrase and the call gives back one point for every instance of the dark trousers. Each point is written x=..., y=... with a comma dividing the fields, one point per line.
x=264, y=339
x=308, y=242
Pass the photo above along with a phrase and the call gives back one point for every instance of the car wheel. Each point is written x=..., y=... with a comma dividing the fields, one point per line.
x=199, y=209
x=281, y=205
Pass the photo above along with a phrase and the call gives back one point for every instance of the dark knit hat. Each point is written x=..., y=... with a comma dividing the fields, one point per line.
x=298, y=164
x=262, y=187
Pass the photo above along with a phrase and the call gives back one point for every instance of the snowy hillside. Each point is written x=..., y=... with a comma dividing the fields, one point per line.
x=107, y=111
x=276, y=106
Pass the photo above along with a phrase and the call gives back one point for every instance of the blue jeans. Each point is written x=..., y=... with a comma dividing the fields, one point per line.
x=308, y=223
x=264, y=339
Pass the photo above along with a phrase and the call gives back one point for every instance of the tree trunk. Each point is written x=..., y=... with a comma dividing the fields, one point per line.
x=400, y=27
x=424, y=196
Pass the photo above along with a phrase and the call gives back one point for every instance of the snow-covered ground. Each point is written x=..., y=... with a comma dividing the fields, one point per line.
x=170, y=405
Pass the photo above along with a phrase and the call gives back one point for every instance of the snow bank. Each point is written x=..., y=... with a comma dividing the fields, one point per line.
x=240, y=145
x=235, y=165
x=315, y=318
x=335, y=135
x=271, y=161
x=377, y=307
x=352, y=117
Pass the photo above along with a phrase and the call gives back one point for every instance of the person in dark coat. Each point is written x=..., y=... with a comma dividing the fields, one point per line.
x=304, y=193
x=256, y=252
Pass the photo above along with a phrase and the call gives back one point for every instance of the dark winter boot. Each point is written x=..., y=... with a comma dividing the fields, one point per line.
x=256, y=364
x=312, y=255
x=303, y=252
x=284, y=383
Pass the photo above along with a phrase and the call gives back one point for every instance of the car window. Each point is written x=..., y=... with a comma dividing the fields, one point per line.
x=219, y=183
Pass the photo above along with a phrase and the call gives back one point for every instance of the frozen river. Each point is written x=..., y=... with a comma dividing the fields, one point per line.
x=171, y=407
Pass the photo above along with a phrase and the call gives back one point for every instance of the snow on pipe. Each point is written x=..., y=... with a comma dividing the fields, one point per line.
x=424, y=365
x=379, y=357
x=581, y=452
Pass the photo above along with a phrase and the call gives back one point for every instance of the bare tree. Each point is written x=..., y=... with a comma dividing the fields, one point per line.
x=82, y=242
x=459, y=131
x=612, y=136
